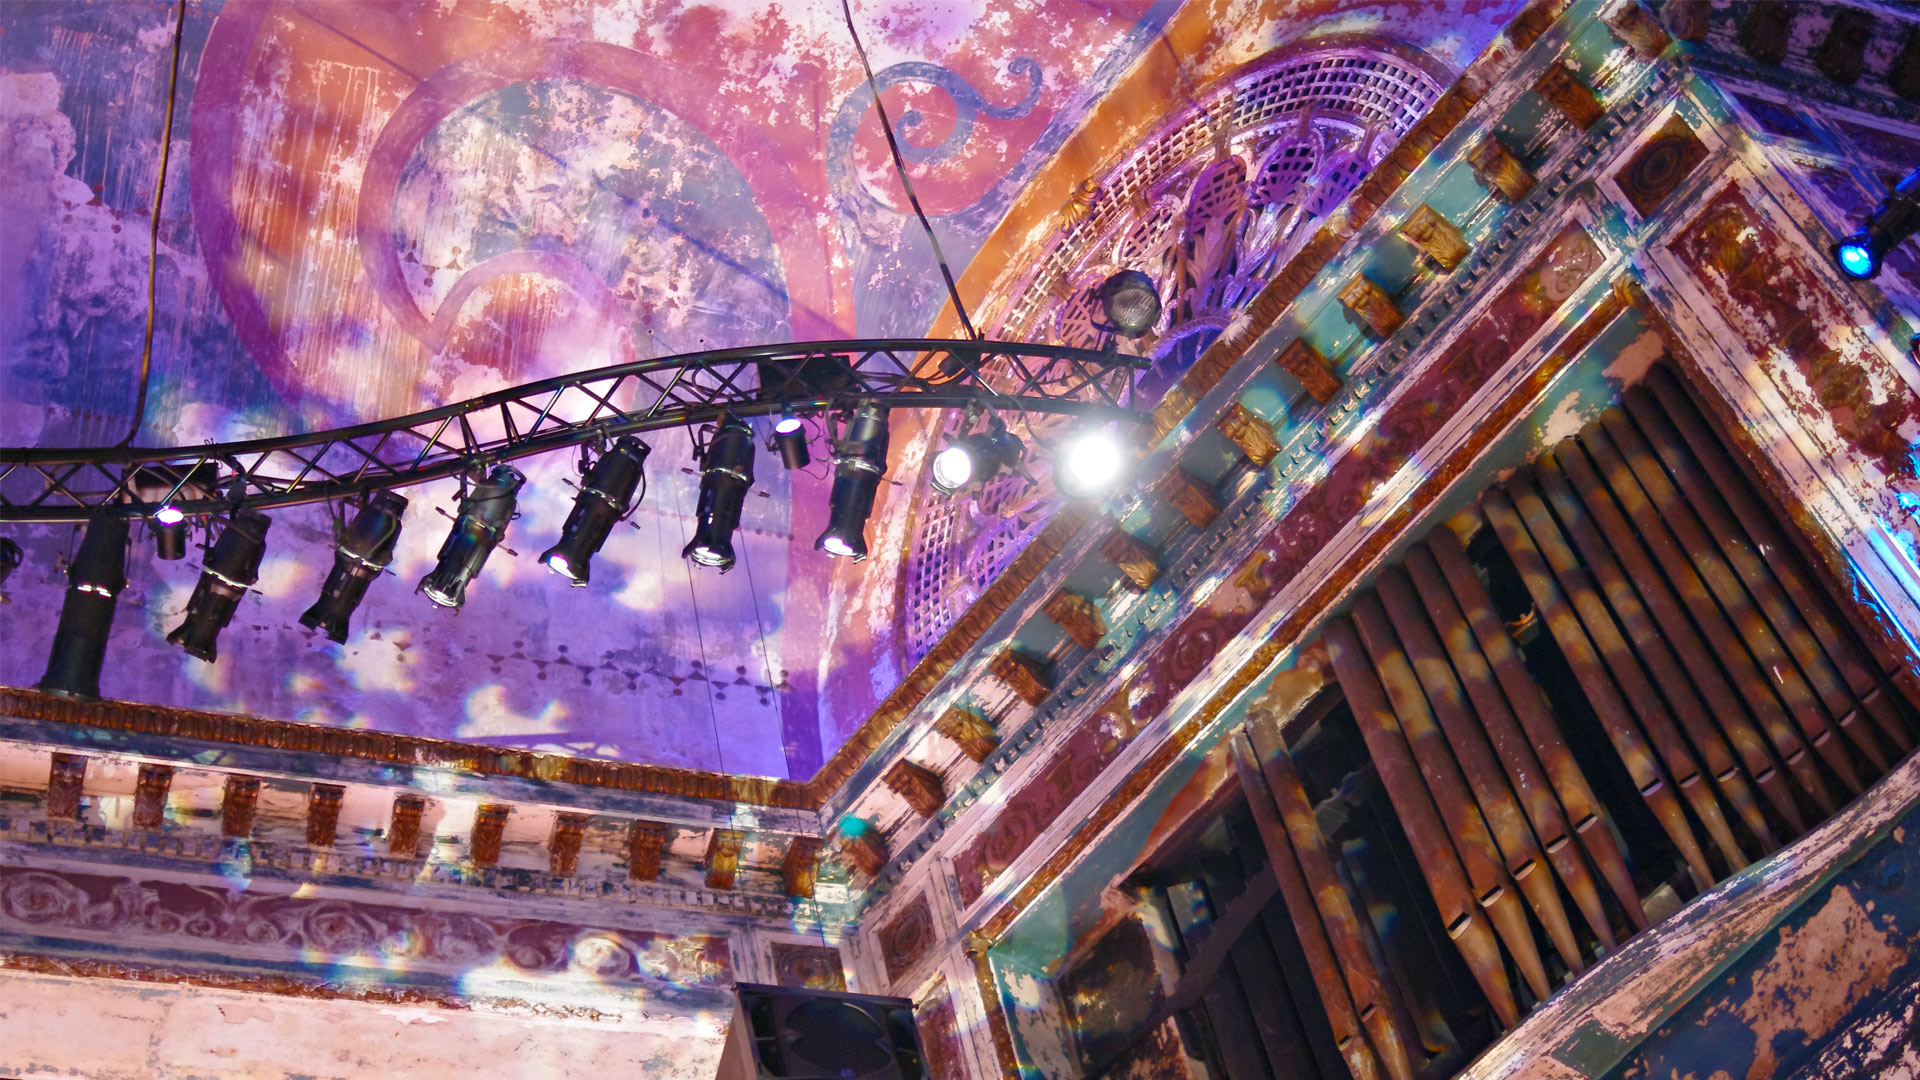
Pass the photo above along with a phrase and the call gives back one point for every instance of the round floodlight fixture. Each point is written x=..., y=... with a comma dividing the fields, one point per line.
x=169, y=515
x=1089, y=463
x=1130, y=302
x=953, y=468
x=790, y=440
x=1856, y=257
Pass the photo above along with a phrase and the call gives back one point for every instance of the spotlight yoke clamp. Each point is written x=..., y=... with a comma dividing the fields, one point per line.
x=67, y=485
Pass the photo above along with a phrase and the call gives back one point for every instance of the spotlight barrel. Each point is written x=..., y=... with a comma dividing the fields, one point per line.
x=790, y=438
x=975, y=459
x=726, y=475
x=1894, y=220
x=231, y=569
x=170, y=485
x=365, y=551
x=481, y=523
x=859, y=462
x=604, y=499
x=98, y=573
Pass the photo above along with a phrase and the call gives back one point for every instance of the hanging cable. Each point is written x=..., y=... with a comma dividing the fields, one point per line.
x=900, y=165
x=153, y=239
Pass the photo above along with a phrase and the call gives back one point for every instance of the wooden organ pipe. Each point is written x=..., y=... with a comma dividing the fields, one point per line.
x=1679, y=662
x=1479, y=856
x=1752, y=631
x=1308, y=925
x=1765, y=581
x=1656, y=722
x=1535, y=717
x=1862, y=665
x=1591, y=673
x=1413, y=807
x=1723, y=641
x=1523, y=858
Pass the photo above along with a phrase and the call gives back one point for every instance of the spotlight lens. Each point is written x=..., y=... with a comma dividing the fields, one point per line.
x=706, y=555
x=558, y=564
x=1856, y=259
x=787, y=424
x=1090, y=463
x=834, y=545
x=168, y=515
x=953, y=468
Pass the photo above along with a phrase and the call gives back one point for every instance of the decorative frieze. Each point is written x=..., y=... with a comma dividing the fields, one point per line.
x=1315, y=373
x=722, y=860
x=1435, y=236
x=150, y=796
x=1191, y=496
x=1078, y=616
x=236, y=806
x=1372, y=306
x=969, y=731
x=1247, y=430
x=1025, y=675
x=563, y=847
x=489, y=825
x=403, y=836
x=1499, y=171
x=323, y=813
x=918, y=785
x=645, y=839
x=64, y=779
x=1571, y=95
x=800, y=869
x=1135, y=560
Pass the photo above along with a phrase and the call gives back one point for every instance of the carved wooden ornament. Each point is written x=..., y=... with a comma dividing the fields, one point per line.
x=323, y=813
x=1496, y=167
x=1253, y=435
x=1191, y=496
x=1078, y=616
x=1637, y=27
x=150, y=796
x=489, y=824
x=236, y=806
x=645, y=839
x=1304, y=362
x=563, y=847
x=723, y=857
x=1372, y=306
x=801, y=866
x=1435, y=236
x=866, y=849
x=1571, y=95
x=917, y=784
x=1134, y=559
x=1026, y=676
x=403, y=837
x=64, y=779
x=969, y=731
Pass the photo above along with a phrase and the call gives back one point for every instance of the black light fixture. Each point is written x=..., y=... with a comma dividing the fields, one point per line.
x=168, y=486
x=1089, y=463
x=10, y=557
x=1130, y=303
x=859, y=461
x=1896, y=218
x=726, y=475
x=603, y=501
x=94, y=579
x=790, y=439
x=231, y=569
x=483, y=518
x=365, y=551
x=977, y=458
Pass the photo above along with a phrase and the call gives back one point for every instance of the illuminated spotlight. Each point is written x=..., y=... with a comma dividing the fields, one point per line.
x=231, y=569
x=483, y=518
x=1089, y=463
x=1896, y=218
x=859, y=461
x=726, y=475
x=790, y=438
x=170, y=485
x=361, y=555
x=1130, y=302
x=976, y=458
x=603, y=501
x=97, y=575
x=10, y=557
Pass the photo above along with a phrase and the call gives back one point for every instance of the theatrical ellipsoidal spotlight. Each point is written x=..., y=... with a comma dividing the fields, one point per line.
x=1896, y=218
x=859, y=461
x=604, y=500
x=1130, y=303
x=362, y=554
x=169, y=486
x=1089, y=463
x=976, y=458
x=96, y=576
x=726, y=475
x=483, y=518
x=231, y=569
x=790, y=438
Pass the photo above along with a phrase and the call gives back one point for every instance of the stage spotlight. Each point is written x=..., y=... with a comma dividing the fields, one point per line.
x=1130, y=302
x=726, y=475
x=483, y=518
x=977, y=458
x=790, y=438
x=1089, y=463
x=859, y=461
x=10, y=556
x=170, y=485
x=231, y=569
x=97, y=575
x=1896, y=218
x=361, y=555
x=603, y=501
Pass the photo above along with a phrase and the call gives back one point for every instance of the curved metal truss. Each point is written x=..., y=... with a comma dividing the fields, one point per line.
x=570, y=410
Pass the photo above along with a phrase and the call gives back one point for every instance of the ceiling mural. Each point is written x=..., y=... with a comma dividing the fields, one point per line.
x=373, y=209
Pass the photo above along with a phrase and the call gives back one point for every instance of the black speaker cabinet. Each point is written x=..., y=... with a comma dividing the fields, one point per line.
x=789, y=1034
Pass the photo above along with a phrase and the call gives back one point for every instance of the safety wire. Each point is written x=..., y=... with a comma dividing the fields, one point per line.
x=153, y=238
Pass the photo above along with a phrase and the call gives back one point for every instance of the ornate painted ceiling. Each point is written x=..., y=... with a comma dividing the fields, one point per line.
x=373, y=209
